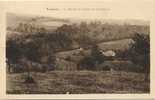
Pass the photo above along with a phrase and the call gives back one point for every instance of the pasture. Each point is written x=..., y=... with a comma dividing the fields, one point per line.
x=78, y=82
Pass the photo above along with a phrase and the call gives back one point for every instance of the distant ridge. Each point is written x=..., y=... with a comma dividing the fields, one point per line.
x=38, y=18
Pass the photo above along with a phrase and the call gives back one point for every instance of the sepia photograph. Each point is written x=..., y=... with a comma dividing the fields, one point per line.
x=59, y=56
x=73, y=48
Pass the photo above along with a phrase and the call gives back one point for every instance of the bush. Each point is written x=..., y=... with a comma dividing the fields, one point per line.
x=140, y=52
x=93, y=60
x=29, y=79
x=87, y=63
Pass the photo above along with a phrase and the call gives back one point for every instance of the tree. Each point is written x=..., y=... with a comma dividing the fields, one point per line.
x=140, y=52
x=83, y=28
x=85, y=41
x=96, y=55
x=91, y=61
x=68, y=30
x=13, y=51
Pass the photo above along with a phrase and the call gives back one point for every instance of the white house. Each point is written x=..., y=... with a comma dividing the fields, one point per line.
x=109, y=53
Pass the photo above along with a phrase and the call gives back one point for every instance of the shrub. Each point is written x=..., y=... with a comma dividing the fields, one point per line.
x=140, y=52
x=93, y=60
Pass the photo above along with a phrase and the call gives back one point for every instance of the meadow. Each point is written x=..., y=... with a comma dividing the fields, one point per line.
x=78, y=82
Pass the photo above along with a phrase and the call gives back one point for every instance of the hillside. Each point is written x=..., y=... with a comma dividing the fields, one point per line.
x=69, y=55
x=80, y=82
x=105, y=26
x=121, y=44
x=50, y=23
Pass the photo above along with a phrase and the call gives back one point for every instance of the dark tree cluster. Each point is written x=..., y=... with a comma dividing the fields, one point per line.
x=39, y=47
x=139, y=52
x=92, y=61
x=30, y=28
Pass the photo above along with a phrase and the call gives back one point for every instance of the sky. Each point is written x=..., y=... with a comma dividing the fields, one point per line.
x=105, y=9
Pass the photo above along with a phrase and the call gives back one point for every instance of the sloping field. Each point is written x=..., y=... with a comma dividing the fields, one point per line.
x=121, y=44
x=78, y=82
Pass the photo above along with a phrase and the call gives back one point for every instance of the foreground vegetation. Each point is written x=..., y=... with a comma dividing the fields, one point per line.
x=78, y=82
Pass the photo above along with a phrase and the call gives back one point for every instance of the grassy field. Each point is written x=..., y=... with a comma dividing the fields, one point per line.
x=78, y=82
